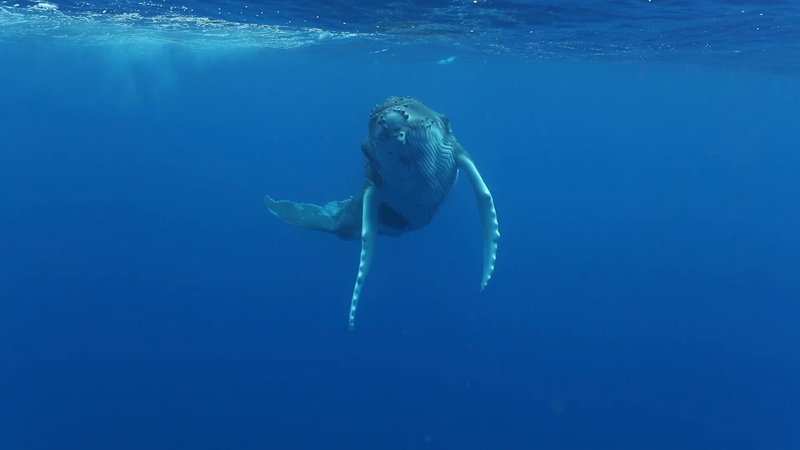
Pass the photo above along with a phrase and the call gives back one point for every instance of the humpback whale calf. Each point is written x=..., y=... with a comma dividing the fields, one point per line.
x=412, y=164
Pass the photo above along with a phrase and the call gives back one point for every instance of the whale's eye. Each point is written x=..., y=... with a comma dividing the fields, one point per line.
x=401, y=136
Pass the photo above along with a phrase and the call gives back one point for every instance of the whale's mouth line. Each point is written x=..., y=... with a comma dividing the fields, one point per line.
x=413, y=137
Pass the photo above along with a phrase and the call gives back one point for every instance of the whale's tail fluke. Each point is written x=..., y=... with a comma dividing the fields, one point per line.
x=339, y=217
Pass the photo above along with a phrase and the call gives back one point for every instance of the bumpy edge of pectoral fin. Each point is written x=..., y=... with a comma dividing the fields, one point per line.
x=369, y=235
x=491, y=229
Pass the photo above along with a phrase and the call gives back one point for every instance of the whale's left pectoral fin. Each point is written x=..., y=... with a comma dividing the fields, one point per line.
x=491, y=229
x=369, y=235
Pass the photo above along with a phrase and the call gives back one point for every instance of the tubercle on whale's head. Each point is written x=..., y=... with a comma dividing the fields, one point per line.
x=393, y=122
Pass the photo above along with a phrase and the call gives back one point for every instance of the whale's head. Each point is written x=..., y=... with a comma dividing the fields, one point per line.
x=404, y=127
x=411, y=156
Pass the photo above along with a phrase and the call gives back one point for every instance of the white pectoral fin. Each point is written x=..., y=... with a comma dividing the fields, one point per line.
x=369, y=234
x=491, y=229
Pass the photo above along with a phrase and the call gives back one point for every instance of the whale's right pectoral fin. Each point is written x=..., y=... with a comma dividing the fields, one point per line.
x=339, y=217
x=369, y=235
x=491, y=229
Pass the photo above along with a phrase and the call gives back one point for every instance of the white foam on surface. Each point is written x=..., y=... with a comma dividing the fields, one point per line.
x=45, y=20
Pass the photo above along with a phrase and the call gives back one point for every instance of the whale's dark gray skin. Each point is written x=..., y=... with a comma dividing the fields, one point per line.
x=412, y=164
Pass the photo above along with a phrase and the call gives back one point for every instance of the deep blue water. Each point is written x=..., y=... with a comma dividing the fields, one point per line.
x=643, y=157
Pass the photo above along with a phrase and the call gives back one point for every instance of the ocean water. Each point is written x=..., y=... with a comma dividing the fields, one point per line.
x=643, y=157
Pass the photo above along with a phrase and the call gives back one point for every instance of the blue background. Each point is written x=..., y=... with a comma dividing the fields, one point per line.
x=646, y=292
